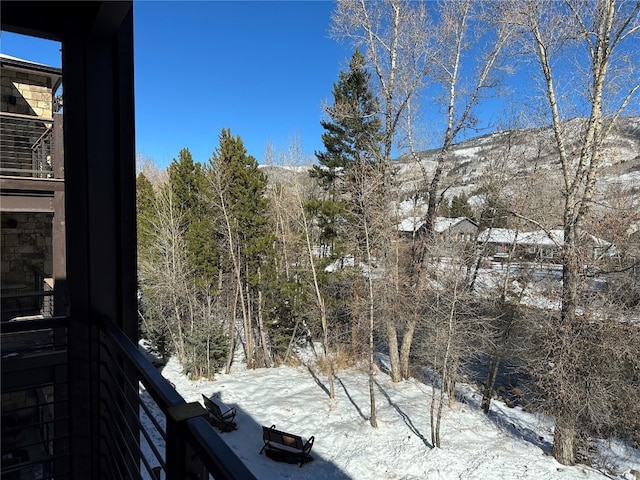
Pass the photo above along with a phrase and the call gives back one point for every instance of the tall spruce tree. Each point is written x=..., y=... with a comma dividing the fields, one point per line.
x=190, y=191
x=244, y=188
x=352, y=140
x=240, y=188
x=352, y=171
x=145, y=199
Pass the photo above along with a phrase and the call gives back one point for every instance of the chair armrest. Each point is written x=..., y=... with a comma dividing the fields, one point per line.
x=229, y=414
x=308, y=445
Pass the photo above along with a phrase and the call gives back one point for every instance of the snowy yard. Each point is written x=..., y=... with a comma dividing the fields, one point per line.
x=509, y=444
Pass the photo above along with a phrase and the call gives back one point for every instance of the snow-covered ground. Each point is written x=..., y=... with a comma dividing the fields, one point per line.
x=508, y=444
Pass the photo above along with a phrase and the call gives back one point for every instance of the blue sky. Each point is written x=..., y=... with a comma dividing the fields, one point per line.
x=262, y=69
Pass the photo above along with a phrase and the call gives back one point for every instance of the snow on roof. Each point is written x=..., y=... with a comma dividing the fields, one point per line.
x=411, y=224
x=537, y=237
x=445, y=223
x=9, y=57
x=441, y=224
x=540, y=237
x=28, y=64
x=498, y=235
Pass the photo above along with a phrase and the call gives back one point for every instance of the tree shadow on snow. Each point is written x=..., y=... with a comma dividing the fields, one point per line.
x=505, y=417
x=499, y=413
x=318, y=381
x=405, y=417
x=364, y=417
x=512, y=424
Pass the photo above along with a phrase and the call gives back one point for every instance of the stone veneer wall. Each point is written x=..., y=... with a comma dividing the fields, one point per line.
x=29, y=244
x=25, y=94
x=32, y=92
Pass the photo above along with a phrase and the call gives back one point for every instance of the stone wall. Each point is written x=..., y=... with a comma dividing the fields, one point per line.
x=27, y=242
x=26, y=93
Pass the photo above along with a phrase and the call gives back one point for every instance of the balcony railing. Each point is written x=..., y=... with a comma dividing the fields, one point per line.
x=189, y=447
x=149, y=429
x=28, y=146
x=19, y=301
x=35, y=412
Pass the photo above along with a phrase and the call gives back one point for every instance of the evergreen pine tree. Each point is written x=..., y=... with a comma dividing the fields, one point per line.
x=145, y=198
x=184, y=178
x=460, y=206
x=189, y=188
x=352, y=140
x=241, y=189
x=244, y=186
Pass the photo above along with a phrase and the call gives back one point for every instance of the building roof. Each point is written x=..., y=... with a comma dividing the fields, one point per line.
x=498, y=235
x=538, y=237
x=441, y=224
x=21, y=64
x=410, y=224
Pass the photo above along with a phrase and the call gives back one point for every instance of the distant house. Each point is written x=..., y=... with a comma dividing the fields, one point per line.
x=535, y=245
x=497, y=242
x=449, y=230
x=540, y=245
x=409, y=227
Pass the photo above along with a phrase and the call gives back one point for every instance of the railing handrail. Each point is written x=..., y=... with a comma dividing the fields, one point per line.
x=32, y=171
x=22, y=116
x=157, y=386
x=215, y=454
x=208, y=445
x=48, y=131
x=32, y=324
x=41, y=293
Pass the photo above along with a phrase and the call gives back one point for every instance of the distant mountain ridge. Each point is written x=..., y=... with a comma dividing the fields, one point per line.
x=521, y=151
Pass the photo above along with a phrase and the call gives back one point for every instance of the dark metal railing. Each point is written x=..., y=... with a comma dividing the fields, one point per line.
x=35, y=411
x=172, y=439
x=149, y=429
x=16, y=305
x=28, y=146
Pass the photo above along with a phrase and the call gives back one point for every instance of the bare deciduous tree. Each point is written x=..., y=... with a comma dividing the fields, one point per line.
x=394, y=36
x=601, y=37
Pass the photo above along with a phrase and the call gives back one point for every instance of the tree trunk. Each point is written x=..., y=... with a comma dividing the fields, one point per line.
x=432, y=409
x=232, y=332
x=263, y=337
x=564, y=440
x=355, y=321
x=373, y=419
x=451, y=381
x=405, y=349
x=325, y=345
x=394, y=357
x=489, y=383
x=248, y=328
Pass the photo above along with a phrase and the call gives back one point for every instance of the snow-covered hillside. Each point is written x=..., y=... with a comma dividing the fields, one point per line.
x=508, y=444
x=522, y=151
x=519, y=151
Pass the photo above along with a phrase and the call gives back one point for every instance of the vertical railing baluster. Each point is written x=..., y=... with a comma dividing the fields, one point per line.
x=182, y=463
